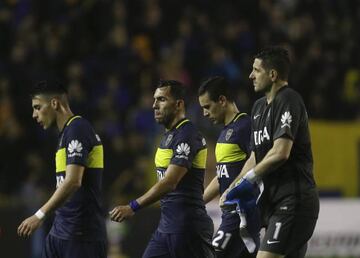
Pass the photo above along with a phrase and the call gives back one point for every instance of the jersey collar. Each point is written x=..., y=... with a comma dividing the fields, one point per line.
x=69, y=121
x=180, y=123
x=236, y=117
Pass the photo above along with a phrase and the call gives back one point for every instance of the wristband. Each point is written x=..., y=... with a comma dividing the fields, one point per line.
x=39, y=214
x=251, y=176
x=134, y=205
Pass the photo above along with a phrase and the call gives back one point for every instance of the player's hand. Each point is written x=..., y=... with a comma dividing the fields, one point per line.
x=121, y=212
x=229, y=206
x=28, y=226
x=242, y=189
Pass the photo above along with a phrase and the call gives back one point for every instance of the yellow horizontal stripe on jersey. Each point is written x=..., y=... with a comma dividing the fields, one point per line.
x=96, y=157
x=200, y=159
x=229, y=152
x=60, y=160
x=163, y=157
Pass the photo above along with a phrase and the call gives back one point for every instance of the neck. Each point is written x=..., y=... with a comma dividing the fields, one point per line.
x=230, y=113
x=276, y=86
x=63, y=117
x=176, y=119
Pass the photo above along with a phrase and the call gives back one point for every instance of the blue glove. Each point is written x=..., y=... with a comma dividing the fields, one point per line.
x=240, y=205
x=244, y=190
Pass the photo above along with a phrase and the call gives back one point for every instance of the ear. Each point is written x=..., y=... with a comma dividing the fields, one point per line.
x=222, y=100
x=273, y=74
x=180, y=103
x=54, y=102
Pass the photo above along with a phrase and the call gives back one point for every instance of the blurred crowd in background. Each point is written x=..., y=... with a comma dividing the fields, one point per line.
x=111, y=53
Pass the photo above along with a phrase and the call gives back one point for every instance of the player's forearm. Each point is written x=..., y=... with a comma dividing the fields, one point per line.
x=155, y=193
x=270, y=162
x=212, y=190
x=62, y=193
x=249, y=164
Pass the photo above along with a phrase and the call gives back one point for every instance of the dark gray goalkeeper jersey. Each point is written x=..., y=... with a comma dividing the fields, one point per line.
x=292, y=182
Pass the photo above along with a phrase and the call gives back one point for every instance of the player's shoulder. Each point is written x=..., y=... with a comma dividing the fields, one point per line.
x=186, y=127
x=242, y=117
x=241, y=120
x=288, y=94
x=78, y=124
x=78, y=121
x=187, y=131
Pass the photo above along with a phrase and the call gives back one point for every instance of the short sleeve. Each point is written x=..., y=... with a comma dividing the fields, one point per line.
x=287, y=116
x=77, y=144
x=184, y=150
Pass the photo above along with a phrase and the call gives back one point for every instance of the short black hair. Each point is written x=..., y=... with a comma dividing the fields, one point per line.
x=276, y=57
x=177, y=89
x=215, y=87
x=48, y=87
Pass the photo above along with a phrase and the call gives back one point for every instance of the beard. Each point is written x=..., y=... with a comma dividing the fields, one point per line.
x=166, y=120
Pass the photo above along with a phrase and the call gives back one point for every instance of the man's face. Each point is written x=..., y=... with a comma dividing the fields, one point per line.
x=43, y=112
x=260, y=77
x=211, y=109
x=164, y=106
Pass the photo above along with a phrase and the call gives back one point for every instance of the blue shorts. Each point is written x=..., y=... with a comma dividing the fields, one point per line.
x=59, y=248
x=181, y=245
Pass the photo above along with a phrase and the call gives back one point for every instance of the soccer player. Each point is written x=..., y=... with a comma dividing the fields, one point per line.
x=231, y=152
x=78, y=229
x=281, y=158
x=185, y=230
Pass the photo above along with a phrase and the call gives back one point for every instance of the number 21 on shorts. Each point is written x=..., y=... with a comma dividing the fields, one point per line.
x=221, y=239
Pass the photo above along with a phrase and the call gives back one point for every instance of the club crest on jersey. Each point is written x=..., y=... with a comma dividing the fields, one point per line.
x=228, y=134
x=74, y=149
x=182, y=150
x=286, y=119
x=168, y=139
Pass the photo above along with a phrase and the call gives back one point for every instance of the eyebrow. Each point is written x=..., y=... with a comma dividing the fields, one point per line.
x=158, y=97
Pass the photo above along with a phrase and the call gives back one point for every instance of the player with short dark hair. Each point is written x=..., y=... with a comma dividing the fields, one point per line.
x=185, y=230
x=79, y=227
x=281, y=158
x=231, y=152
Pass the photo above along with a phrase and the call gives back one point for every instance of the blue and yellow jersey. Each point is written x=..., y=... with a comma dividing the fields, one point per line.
x=231, y=152
x=183, y=209
x=82, y=215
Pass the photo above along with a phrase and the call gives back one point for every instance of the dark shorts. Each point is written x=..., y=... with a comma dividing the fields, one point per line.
x=288, y=234
x=291, y=225
x=231, y=243
x=59, y=248
x=181, y=245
